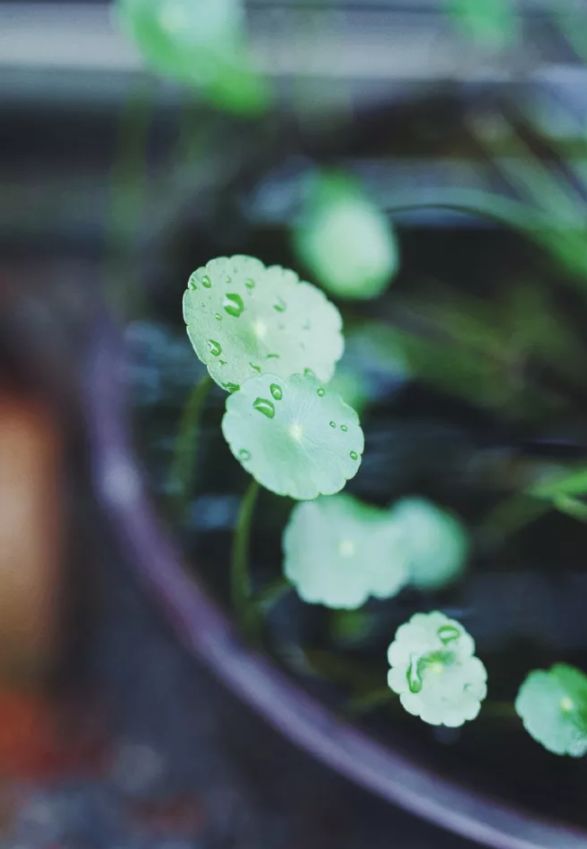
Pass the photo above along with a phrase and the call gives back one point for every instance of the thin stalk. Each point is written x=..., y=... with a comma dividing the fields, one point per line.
x=128, y=189
x=514, y=513
x=182, y=472
x=473, y=202
x=240, y=577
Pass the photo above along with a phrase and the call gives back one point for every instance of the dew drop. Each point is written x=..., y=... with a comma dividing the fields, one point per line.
x=448, y=633
x=244, y=455
x=354, y=455
x=413, y=675
x=276, y=391
x=233, y=304
x=206, y=282
x=272, y=357
x=250, y=283
x=217, y=316
x=192, y=282
x=267, y=408
x=231, y=387
x=280, y=306
x=308, y=372
x=321, y=392
x=228, y=280
x=344, y=428
x=255, y=367
x=214, y=347
x=332, y=424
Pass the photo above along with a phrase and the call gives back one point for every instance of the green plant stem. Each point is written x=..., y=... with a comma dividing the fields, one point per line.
x=128, y=199
x=182, y=473
x=272, y=594
x=514, y=513
x=503, y=711
x=573, y=507
x=240, y=578
x=475, y=202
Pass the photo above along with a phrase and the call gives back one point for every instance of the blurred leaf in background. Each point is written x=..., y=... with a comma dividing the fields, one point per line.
x=572, y=19
x=199, y=43
x=492, y=23
x=344, y=239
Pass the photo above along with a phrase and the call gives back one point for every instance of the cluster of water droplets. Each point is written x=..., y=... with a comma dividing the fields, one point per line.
x=419, y=663
x=264, y=405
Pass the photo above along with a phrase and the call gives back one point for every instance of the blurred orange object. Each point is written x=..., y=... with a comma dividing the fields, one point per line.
x=31, y=534
x=41, y=739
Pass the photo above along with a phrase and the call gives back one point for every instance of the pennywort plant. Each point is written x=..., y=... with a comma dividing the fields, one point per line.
x=294, y=436
x=552, y=704
x=244, y=319
x=435, y=672
x=338, y=552
x=272, y=342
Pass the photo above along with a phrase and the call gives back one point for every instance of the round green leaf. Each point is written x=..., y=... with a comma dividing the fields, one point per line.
x=553, y=707
x=245, y=319
x=339, y=551
x=435, y=541
x=345, y=240
x=435, y=672
x=198, y=43
x=294, y=436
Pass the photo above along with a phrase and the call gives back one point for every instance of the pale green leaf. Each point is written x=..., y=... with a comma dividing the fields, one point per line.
x=295, y=436
x=436, y=543
x=345, y=240
x=339, y=552
x=435, y=672
x=245, y=319
x=553, y=707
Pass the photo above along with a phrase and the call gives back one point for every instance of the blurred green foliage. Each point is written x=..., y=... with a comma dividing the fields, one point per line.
x=492, y=23
x=200, y=44
x=345, y=241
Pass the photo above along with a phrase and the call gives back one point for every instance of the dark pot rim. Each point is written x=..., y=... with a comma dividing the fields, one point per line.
x=208, y=633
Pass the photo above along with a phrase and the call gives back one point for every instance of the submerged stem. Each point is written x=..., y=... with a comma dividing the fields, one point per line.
x=240, y=579
x=182, y=472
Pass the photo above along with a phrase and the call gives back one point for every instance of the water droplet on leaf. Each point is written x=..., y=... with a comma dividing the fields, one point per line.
x=344, y=428
x=413, y=675
x=321, y=392
x=267, y=408
x=244, y=455
x=231, y=387
x=214, y=347
x=280, y=306
x=233, y=304
x=333, y=424
x=276, y=391
x=206, y=282
x=354, y=455
x=250, y=283
x=448, y=633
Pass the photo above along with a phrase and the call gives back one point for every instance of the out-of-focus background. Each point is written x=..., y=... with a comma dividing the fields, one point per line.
x=114, y=184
